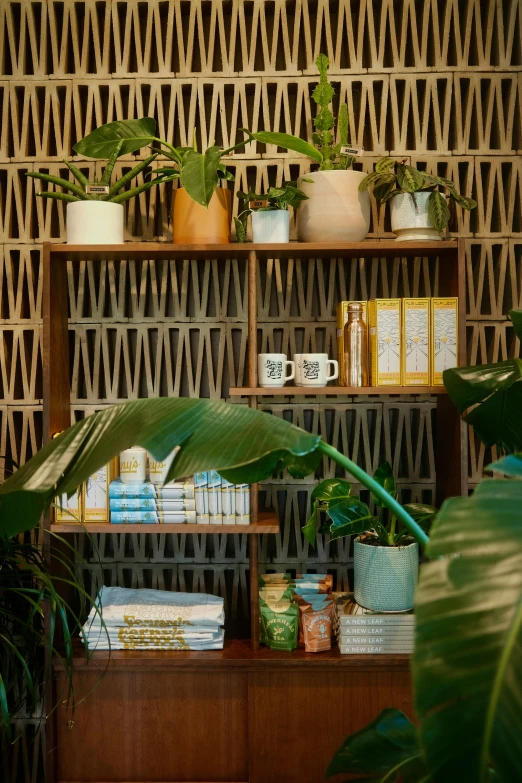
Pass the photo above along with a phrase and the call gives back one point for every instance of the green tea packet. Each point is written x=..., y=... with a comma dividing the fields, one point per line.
x=280, y=620
x=270, y=579
x=273, y=593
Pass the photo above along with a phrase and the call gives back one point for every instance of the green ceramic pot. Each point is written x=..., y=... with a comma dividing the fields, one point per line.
x=385, y=576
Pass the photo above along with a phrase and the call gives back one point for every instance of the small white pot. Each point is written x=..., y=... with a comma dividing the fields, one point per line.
x=94, y=223
x=271, y=226
x=335, y=210
x=409, y=218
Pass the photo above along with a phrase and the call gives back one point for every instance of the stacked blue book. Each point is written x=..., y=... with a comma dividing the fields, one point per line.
x=147, y=503
x=364, y=632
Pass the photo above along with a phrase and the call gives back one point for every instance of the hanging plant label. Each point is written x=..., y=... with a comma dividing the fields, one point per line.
x=97, y=189
x=357, y=151
x=257, y=203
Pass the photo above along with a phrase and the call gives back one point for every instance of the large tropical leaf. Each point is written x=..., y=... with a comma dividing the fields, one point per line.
x=288, y=142
x=467, y=664
x=103, y=141
x=387, y=748
x=199, y=175
x=243, y=444
x=349, y=517
x=496, y=391
x=385, y=478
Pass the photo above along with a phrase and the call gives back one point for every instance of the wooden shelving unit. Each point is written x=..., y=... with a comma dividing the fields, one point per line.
x=266, y=523
x=332, y=391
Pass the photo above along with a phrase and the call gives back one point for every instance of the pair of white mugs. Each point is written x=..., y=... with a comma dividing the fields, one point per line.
x=308, y=369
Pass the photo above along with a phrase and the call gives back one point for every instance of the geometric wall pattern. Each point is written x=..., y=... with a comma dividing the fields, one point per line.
x=438, y=82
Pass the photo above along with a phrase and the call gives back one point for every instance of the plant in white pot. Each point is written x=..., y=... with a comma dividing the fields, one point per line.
x=386, y=560
x=270, y=215
x=95, y=214
x=419, y=211
x=336, y=210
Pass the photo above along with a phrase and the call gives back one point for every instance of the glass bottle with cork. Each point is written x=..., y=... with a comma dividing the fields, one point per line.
x=355, y=364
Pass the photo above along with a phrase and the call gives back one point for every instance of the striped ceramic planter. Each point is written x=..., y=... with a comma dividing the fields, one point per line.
x=385, y=576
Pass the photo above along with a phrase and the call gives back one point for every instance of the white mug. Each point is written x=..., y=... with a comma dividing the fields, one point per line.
x=271, y=370
x=311, y=369
x=133, y=465
x=158, y=470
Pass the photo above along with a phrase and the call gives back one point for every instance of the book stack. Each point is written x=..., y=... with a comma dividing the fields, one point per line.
x=218, y=502
x=363, y=632
x=147, y=503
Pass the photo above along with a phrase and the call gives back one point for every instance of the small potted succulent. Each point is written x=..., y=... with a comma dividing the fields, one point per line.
x=386, y=560
x=270, y=215
x=95, y=214
x=336, y=210
x=419, y=211
x=202, y=210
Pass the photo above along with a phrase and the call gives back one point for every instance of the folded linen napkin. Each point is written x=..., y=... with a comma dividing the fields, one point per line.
x=179, y=643
x=122, y=606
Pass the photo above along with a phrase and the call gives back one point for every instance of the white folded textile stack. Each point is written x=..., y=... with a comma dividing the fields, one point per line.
x=155, y=620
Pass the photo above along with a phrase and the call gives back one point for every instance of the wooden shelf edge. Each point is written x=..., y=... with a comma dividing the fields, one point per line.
x=302, y=391
x=267, y=523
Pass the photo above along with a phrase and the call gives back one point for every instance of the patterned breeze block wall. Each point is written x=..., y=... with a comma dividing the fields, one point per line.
x=438, y=82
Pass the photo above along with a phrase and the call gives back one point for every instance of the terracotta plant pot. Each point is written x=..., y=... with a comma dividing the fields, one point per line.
x=335, y=210
x=197, y=225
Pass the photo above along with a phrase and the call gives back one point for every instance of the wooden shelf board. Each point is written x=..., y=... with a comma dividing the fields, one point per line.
x=237, y=653
x=300, y=391
x=267, y=523
x=148, y=250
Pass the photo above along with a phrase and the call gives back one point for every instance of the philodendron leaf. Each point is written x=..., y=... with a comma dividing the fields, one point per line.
x=438, y=210
x=516, y=320
x=244, y=445
x=288, y=142
x=387, y=744
x=102, y=142
x=410, y=180
x=384, y=476
x=199, y=174
x=496, y=392
x=467, y=664
x=349, y=517
x=332, y=488
x=310, y=529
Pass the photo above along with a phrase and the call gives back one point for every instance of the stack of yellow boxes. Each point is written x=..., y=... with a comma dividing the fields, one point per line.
x=411, y=340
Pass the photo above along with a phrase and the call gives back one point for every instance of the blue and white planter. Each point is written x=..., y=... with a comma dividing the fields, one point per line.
x=385, y=577
x=271, y=226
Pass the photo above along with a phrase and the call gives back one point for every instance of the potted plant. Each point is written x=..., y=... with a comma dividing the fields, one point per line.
x=202, y=211
x=419, y=211
x=336, y=210
x=95, y=214
x=270, y=215
x=386, y=559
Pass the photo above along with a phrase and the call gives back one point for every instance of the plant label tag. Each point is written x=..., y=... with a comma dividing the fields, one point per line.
x=357, y=151
x=97, y=189
x=258, y=203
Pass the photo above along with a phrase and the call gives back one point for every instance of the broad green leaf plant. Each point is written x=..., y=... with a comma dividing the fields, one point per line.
x=199, y=172
x=489, y=397
x=288, y=195
x=327, y=141
x=349, y=516
x=77, y=192
x=392, y=177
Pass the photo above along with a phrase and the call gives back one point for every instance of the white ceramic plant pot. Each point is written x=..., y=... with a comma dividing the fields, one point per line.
x=271, y=226
x=409, y=218
x=335, y=210
x=385, y=576
x=94, y=223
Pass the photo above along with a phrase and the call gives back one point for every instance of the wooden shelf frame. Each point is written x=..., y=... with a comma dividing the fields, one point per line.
x=333, y=391
x=265, y=523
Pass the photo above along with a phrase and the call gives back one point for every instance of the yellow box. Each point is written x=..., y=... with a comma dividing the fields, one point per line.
x=384, y=320
x=341, y=318
x=69, y=509
x=416, y=342
x=444, y=337
x=96, y=493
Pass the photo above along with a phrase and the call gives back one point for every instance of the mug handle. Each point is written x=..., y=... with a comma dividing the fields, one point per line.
x=336, y=370
x=292, y=372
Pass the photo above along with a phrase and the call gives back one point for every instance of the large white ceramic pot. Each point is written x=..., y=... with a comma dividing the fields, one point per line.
x=385, y=576
x=409, y=218
x=94, y=223
x=335, y=210
x=271, y=226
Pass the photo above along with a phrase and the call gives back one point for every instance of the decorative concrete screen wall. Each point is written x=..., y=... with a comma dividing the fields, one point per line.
x=438, y=82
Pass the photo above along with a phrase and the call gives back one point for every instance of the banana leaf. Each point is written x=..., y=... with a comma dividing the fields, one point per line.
x=467, y=665
x=243, y=444
x=103, y=141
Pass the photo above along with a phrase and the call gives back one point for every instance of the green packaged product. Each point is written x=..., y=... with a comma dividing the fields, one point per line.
x=280, y=621
x=277, y=593
x=270, y=579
